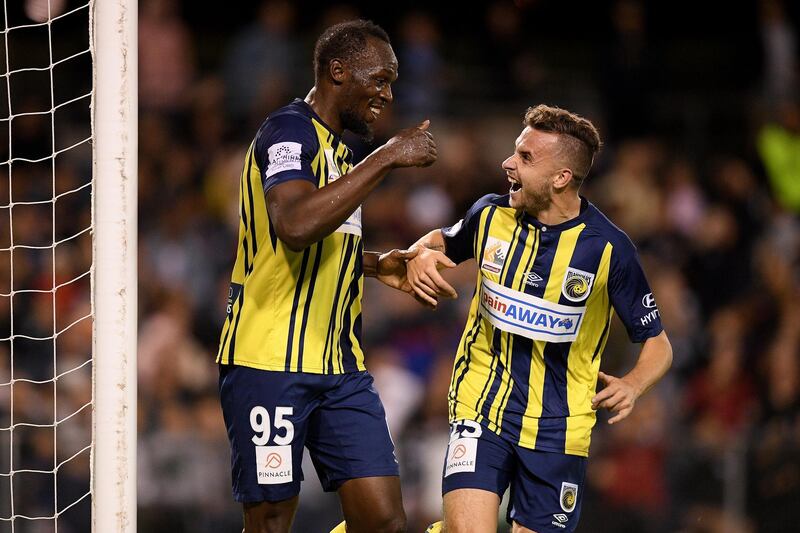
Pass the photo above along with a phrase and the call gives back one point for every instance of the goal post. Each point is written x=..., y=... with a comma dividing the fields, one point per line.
x=113, y=26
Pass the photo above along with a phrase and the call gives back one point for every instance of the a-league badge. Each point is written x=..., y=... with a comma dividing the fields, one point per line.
x=569, y=496
x=577, y=284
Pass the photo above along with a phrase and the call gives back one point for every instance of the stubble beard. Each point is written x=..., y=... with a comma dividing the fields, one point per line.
x=539, y=200
x=353, y=121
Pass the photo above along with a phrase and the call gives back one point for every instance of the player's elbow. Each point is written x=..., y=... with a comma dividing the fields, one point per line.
x=294, y=236
x=666, y=349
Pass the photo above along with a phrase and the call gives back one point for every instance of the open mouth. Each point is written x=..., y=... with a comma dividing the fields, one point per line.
x=375, y=110
x=515, y=185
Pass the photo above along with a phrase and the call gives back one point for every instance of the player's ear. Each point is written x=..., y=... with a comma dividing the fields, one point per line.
x=337, y=71
x=563, y=178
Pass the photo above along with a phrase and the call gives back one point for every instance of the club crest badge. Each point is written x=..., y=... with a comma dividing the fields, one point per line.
x=577, y=284
x=569, y=496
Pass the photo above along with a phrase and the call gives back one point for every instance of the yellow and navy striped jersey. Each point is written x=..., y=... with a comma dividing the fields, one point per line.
x=527, y=364
x=294, y=311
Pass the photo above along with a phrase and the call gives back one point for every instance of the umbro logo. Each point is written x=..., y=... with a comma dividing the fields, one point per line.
x=532, y=278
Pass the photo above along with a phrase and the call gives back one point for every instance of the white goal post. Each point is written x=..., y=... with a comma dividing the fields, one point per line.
x=114, y=121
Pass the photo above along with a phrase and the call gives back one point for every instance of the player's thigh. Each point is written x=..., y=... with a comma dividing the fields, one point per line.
x=471, y=511
x=373, y=504
x=547, y=491
x=348, y=437
x=266, y=416
x=478, y=468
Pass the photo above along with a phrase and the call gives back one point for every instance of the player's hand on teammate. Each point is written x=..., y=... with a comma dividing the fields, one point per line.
x=618, y=396
x=423, y=276
x=392, y=269
x=412, y=147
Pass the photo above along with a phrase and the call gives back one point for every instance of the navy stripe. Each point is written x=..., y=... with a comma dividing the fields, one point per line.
x=252, y=209
x=349, y=363
x=553, y=423
x=520, y=363
x=235, y=327
x=507, y=276
x=311, y=283
x=487, y=227
x=297, y=290
x=348, y=243
x=467, y=350
x=602, y=338
x=244, y=237
x=521, y=353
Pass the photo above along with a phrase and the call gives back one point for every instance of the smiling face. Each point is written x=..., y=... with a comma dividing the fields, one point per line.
x=367, y=87
x=534, y=170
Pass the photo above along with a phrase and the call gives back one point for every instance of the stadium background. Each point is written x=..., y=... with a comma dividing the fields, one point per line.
x=700, y=113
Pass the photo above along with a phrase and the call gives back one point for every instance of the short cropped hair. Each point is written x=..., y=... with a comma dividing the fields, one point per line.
x=579, y=138
x=344, y=41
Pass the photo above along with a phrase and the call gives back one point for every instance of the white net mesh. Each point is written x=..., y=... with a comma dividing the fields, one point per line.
x=45, y=266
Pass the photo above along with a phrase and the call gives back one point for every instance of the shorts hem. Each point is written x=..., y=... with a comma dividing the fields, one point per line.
x=253, y=498
x=473, y=485
x=334, y=484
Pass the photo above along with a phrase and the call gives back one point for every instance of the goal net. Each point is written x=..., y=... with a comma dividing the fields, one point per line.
x=67, y=266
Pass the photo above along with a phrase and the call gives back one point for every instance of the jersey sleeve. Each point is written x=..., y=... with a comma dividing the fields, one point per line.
x=459, y=239
x=284, y=148
x=631, y=296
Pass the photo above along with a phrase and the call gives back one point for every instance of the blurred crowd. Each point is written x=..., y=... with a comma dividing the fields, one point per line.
x=703, y=175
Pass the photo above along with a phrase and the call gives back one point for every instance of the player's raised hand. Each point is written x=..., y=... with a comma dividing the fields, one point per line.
x=412, y=147
x=618, y=396
x=423, y=276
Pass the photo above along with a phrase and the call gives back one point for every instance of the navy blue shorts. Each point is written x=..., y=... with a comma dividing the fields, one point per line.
x=270, y=416
x=546, y=487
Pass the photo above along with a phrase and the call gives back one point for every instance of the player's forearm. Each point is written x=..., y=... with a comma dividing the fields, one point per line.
x=315, y=216
x=433, y=241
x=654, y=361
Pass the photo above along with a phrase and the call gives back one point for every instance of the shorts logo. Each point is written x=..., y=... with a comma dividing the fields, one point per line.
x=274, y=464
x=461, y=456
x=577, y=284
x=459, y=451
x=273, y=460
x=569, y=496
x=560, y=520
x=283, y=156
x=494, y=255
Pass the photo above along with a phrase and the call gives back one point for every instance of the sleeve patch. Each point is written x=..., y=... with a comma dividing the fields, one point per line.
x=283, y=156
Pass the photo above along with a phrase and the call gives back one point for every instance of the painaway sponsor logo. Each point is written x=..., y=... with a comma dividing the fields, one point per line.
x=528, y=315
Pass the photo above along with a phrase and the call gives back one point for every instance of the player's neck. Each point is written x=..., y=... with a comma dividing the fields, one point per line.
x=324, y=105
x=563, y=207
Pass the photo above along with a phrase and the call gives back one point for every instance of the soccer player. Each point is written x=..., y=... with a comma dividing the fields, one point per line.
x=553, y=269
x=291, y=364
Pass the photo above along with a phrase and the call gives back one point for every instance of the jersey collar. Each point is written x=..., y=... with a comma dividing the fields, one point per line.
x=571, y=223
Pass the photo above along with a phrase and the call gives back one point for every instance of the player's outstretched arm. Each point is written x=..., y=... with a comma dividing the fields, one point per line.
x=389, y=268
x=302, y=214
x=423, y=270
x=620, y=394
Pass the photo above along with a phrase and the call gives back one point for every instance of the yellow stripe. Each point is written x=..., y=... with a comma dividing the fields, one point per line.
x=500, y=400
x=581, y=370
x=505, y=228
x=530, y=422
